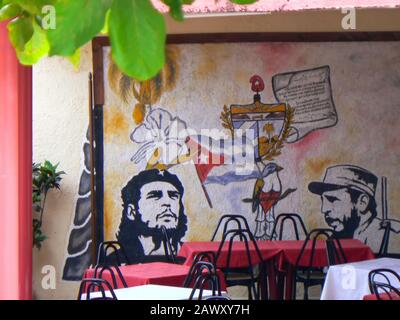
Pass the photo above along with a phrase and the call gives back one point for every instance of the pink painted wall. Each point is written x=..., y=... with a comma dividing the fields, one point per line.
x=15, y=174
x=208, y=6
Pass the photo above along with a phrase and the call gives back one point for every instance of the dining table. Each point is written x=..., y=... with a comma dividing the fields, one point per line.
x=277, y=255
x=160, y=273
x=354, y=250
x=152, y=292
x=239, y=259
x=350, y=281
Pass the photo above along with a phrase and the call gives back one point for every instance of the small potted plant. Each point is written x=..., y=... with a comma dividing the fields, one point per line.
x=44, y=177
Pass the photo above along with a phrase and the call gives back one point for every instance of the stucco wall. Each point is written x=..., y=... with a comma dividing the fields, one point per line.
x=61, y=118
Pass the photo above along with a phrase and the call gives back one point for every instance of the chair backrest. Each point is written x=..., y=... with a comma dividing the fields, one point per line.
x=334, y=249
x=209, y=256
x=227, y=220
x=170, y=254
x=111, y=253
x=335, y=252
x=241, y=235
x=247, y=238
x=297, y=225
x=384, y=281
x=206, y=280
x=113, y=271
x=168, y=248
x=92, y=285
x=198, y=266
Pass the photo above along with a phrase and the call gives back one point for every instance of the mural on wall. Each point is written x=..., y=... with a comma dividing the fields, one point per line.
x=150, y=200
x=349, y=206
x=160, y=139
x=309, y=92
x=269, y=126
x=146, y=93
x=80, y=237
x=304, y=151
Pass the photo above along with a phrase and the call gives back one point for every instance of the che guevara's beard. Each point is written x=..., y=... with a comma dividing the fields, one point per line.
x=167, y=217
x=155, y=232
x=349, y=224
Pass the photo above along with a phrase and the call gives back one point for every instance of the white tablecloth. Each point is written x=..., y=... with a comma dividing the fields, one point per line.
x=350, y=281
x=152, y=292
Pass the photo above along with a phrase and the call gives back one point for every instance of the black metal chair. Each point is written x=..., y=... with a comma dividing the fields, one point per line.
x=227, y=221
x=209, y=256
x=379, y=283
x=310, y=275
x=295, y=221
x=170, y=253
x=297, y=225
x=198, y=266
x=93, y=285
x=246, y=276
x=206, y=278
x=335, y=251
x=111, y=253
x=114, y=272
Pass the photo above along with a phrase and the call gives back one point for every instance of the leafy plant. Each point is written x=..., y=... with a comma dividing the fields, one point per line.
x=136, y=29
x=44, y=178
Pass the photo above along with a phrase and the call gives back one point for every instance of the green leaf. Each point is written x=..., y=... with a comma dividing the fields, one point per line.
x=34, y=6
x=175, y=9
x=187, y=1
x=10, y=11
x=106, y=23
x=244, y=1
x=137, y=34
x=78, y=22
x=20, y=32
x=75, y=59
x=36, y=48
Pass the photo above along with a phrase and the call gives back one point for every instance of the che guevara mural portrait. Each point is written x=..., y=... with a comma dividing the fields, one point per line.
x=256, y=129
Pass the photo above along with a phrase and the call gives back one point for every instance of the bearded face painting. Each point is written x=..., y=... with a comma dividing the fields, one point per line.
x=151, y=199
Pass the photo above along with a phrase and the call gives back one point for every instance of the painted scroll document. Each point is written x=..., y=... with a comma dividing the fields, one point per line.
x=310, y=93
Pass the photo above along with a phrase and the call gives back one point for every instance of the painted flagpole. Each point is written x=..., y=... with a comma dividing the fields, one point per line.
x=204, y=190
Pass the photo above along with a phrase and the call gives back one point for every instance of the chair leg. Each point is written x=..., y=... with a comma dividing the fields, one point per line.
x=280, y=284
x=294, y=289
x=305, y=291
x=265, y=291
x=256, y=292
x=249, y=292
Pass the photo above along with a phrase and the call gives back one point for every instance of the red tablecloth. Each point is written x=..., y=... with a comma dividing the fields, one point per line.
x=354, y=250
x=161, y=273
x=383, y=296
x=238, y=258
